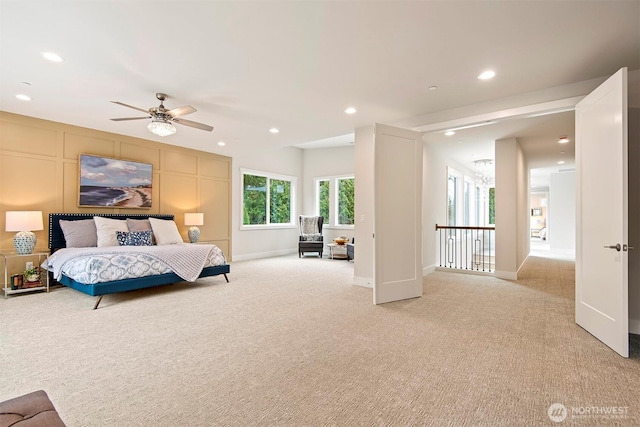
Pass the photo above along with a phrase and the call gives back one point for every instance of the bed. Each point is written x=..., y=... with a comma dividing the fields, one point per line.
x=141, y=262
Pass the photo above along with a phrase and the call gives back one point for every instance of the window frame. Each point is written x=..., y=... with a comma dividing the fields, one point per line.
x=337, y=202
x=458, y=194
x=293, y=185
x=332, y=221
x=317, y=182
x=476, y=207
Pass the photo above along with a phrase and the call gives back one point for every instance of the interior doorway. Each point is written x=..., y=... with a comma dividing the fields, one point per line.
x=538, y=218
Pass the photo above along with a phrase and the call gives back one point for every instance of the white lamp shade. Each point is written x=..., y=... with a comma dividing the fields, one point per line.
x=193, y=219
x=23, y=221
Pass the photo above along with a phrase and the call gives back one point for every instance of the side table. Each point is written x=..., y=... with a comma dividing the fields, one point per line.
x=337, y=251
x=8, y=257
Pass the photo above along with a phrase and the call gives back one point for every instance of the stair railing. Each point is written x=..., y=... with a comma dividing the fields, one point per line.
x=466, y=247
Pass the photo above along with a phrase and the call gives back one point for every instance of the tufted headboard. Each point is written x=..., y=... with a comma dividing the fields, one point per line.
x=56, y=236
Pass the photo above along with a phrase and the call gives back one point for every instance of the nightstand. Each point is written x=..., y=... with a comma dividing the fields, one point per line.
x=16, y=270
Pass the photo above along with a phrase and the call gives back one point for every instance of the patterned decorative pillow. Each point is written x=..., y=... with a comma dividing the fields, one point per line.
x=134, y=238
x=140, y=225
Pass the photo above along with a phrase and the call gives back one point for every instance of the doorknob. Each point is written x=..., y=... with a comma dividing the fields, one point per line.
x=617, y=247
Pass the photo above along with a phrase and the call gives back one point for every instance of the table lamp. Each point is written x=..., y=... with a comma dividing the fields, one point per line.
x=194, y=219
x=24, y=222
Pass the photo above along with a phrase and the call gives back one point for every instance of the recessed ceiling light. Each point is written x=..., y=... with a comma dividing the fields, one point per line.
x=52, y=56
x=486, y=75
x=350, y=110
x=221, y=143
x=449, y=133
x=23, y=97
x=432, y=88
x=563, y=140
x=274, y=130
x=561, y=162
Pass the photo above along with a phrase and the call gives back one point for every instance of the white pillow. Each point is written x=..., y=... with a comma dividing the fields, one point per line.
x=165, y=231
x=106, y=229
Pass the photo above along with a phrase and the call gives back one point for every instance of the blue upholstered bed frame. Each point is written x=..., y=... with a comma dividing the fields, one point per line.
x=57, y=241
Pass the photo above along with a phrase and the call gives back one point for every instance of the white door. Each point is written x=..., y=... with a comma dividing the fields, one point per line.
x=601, y=215
x=398, y=214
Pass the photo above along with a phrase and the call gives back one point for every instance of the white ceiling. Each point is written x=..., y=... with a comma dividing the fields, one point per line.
x=296, y=65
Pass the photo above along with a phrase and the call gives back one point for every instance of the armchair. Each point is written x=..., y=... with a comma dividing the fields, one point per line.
x=310, y=235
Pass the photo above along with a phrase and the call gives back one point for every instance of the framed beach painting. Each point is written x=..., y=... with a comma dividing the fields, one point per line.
x=114, y=183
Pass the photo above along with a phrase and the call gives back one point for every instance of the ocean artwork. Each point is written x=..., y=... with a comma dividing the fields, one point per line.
x=114, y=183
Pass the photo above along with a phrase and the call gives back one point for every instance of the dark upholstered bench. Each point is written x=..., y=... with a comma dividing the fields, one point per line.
x=351, y=249
x=31, y=410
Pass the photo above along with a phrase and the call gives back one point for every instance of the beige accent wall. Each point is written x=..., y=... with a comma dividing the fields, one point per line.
x=39, y=171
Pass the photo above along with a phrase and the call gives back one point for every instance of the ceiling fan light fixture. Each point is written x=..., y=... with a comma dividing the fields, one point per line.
x=161, y=127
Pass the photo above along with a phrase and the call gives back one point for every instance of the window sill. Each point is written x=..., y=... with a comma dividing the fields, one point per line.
x=267, y=227
x=337, y=227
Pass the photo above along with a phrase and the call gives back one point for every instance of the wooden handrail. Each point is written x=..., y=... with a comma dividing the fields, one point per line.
x=463, y=227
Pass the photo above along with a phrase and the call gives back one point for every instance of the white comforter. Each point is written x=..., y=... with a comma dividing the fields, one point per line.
x=105, y=264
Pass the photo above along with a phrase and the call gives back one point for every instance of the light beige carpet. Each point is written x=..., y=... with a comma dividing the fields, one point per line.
x=291, y=342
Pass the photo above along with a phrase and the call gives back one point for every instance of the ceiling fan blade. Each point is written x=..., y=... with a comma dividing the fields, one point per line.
x=181, y=111
x=130, y=106
x=130, y=118
x=192, y=124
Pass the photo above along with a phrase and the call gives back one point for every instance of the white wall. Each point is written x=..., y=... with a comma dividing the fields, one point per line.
x=634, y=220
x=305, y=165
x=325, y=162
x=562, y=211
x=363, y=233
x=250, y=244
x=512, y=208
x=434, y=200
x=523, y=233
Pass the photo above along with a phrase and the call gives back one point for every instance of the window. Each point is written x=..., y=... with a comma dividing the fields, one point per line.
x=467, y=202
x=322, y=192
x=267, y=199
x=335, y=198
x=280, y=200
x=451, y=200
x=345, y=201
x=479, y=210
x=454, y=178
x=492, y=205
x=254, y=199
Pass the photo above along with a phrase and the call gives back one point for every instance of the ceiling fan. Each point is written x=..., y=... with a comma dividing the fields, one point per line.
x=161, y=124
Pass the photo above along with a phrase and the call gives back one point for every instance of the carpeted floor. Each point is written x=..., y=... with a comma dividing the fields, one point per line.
x=291, y=342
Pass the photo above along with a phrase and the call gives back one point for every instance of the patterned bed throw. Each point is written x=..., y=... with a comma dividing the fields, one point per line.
x=95, y=265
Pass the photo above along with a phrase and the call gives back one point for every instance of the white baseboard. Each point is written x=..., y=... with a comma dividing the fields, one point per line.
x=506, y=275
x=428, y=270
x=461, y=271
x=258, y=255
x=634, y=326
x=365, y=282
x=521, y=266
